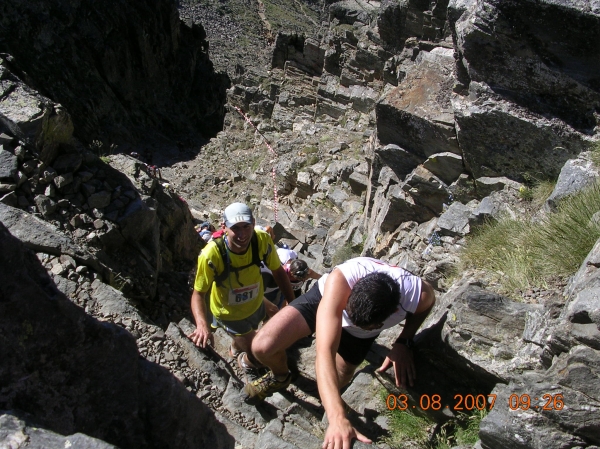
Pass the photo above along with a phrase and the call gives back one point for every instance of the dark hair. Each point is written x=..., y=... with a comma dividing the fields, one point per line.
x=373, y=299
x=299, y=269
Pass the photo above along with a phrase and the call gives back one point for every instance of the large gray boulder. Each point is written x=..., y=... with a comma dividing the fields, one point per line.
x=400, y=161
x=417, y=115
x=87, y=376
x=446, y=166
x=542, y=360
x=400, y=20
x=306, y=54
x=350, y=11
x=498, y=138
x=543, y=55
x=41, y=236
x=8, y=166
x=150, y=74
x=564, y=410
x=32, y=118
x=575, y=175
x=482, y=333
x=17, y=432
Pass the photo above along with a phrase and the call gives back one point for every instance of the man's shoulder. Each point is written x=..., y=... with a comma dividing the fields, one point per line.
x=211, y=251
x=264, y=240
x=261, y=235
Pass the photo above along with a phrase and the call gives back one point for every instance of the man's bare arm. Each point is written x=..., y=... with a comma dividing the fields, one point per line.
x=401, y=355
x=414, y=320
x=329, y=329
x=202, y=335
x=283, y=282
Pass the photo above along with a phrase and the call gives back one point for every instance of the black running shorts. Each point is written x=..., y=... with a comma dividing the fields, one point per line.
x=352, y=349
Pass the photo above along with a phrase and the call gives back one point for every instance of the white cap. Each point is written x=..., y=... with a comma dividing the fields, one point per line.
x=237, y=213
x=286, y=254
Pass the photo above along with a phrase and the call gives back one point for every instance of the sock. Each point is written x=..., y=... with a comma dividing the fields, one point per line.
x=247, y=363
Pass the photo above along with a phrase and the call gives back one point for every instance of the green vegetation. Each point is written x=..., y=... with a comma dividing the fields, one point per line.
x=343, y=253
x=342, y=27
x=291, y=16
x=527, y=254
x=538, y=193
x=409, y=429
x=312, y=160
x=102, y=151
x=462, y=431
x=468, y=430
x=405, y=426
x=595, y=154
x=256, y=162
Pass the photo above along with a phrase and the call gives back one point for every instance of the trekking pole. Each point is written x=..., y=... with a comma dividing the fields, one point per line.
x=276, y=199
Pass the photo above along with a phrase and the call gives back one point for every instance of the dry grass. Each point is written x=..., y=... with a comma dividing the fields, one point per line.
x=527, y=254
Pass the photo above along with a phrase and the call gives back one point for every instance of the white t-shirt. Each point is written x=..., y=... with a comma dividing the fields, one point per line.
x=286, y=254
x=357, y=268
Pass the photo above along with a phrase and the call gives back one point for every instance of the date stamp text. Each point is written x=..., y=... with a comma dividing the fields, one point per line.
x=469, y=402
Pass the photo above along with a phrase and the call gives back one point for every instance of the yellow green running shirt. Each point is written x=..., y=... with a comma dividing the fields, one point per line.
x=241, y=293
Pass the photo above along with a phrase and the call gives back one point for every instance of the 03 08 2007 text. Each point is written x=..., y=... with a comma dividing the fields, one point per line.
x=426, y=402
x=468, y=402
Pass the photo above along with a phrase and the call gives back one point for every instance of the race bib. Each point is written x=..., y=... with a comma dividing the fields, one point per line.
x=242, y=295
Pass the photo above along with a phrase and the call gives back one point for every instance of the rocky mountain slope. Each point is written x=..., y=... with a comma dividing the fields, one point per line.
x=397, y=128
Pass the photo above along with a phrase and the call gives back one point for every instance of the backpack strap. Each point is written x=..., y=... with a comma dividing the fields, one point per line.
x=256, y=259
x=220, y=277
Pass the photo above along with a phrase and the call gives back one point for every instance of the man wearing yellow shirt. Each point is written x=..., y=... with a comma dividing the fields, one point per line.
x=230, y=272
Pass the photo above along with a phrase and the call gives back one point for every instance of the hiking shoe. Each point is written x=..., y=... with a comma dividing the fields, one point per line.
x=259, y=389
x=250, y=373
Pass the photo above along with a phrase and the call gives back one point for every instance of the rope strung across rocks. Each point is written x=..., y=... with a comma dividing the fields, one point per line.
x=276, y=198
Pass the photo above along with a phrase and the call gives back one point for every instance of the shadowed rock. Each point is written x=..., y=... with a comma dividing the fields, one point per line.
x=544, y=55
x=75, y=374
x=144, y=75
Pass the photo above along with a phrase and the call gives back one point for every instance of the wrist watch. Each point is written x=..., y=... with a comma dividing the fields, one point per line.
x=408, y=342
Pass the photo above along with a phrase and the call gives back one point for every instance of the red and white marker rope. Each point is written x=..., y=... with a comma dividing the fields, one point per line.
x=274, y=161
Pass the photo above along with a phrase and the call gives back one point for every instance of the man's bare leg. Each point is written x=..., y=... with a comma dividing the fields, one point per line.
x=345, y=371
x=280, y=332
x=243, y=343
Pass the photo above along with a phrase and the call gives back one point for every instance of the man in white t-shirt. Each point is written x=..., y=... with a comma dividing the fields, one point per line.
x=297, y=271
x=347, y=308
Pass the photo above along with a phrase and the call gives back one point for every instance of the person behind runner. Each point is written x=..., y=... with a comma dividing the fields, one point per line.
x=216, y=233
x=205, y=231
x=236, y=302
x=297, y=271
x=347, y=308
x=268, y=229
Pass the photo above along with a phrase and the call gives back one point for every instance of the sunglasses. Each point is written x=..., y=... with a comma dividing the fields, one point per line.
x=299, y=275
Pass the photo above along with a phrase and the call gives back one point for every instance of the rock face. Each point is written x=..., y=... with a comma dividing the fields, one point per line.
x=15, y=431
x=417, y=115
x=392, y=141
x=124, y=216
x=568, y=402
x=534, y=143
x=509, y=46
x=137, y=76
x=75, y=374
